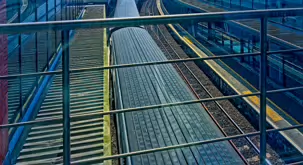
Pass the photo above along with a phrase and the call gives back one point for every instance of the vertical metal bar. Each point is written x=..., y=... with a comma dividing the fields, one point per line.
x=75, y=8
x=193, y=29
x=20, y=60
x=47, y=36
x=72, y=9
x=36, y=43
x=61, y=12
x=66, y=97
x=70, y=14
x=66, y=12
x=70, y=2
x=209, y=30
x=242, y=49
x=66, y=94
x=47, y=9
x=78, y=8
x=263, y=76
x=283, y=70
x=222, y=38
x=56, y=20
x=231, y=45
x=74, y=13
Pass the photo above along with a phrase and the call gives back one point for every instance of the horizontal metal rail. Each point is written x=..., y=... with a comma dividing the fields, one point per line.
x=145, y=64
x=146, y=20
x=88, y=115
x=185, y=145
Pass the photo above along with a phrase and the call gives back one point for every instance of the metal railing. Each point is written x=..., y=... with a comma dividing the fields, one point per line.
x=66, y=26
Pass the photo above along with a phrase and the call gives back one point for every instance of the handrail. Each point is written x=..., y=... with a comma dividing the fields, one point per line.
x=147, y=20
x=14, y=76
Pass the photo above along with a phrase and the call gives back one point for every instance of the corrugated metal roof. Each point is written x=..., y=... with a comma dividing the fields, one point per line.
x=149, y=85
x=126, y=8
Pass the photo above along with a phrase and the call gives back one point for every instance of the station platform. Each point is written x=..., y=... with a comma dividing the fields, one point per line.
x=279, y=33
x=90, y=138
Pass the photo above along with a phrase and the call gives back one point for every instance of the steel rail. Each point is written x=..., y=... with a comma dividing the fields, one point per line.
x=143, y=64
x=147, y=20
x=88, y=115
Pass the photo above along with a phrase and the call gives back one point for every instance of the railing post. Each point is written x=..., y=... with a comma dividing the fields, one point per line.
x=78, y=7
x=209, y=31
x=20, y=61
x=47, y=35
x=36, y=43
x=66, y=97
x=70, y=11
x=66, y=93
x=74, y=9
x=55, y=20
x=283, y=70
x=242, y=49
x=263, y=76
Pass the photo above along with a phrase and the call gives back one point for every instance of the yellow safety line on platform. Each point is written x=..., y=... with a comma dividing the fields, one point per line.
x=270, y=112
x=191, y=45
x=187, y=40
x=107, y=133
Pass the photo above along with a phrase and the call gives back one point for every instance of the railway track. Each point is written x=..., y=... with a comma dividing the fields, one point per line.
x=228, y=119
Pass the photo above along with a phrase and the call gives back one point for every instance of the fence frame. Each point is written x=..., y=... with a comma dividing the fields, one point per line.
x=67, y=25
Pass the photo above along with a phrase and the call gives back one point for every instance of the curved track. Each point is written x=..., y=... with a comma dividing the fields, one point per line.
x=201, y=85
